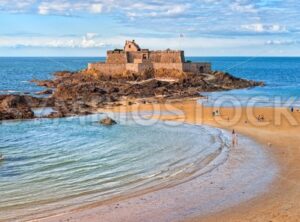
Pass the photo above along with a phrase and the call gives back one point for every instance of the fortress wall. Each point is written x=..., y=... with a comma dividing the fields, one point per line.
x=112, y=69
x=166, y=56
x=197, y=67
x=108, y=69
x=132, y=67
x=144, y=66
x=177, y=66
x=131, y=56
x=116, y=57
x=138, y=68
x=156, y=56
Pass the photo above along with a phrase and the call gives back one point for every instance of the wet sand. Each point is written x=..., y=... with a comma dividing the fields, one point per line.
x=187, y=202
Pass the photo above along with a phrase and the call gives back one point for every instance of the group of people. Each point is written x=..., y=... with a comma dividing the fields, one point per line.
x=260, y=118
x=292, y=109
x=216, y=113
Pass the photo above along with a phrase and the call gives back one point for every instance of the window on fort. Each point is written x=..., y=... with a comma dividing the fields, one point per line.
x=129, y=46
x=144, y=56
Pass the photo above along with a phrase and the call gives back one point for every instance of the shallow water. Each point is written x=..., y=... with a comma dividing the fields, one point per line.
x=56, y=164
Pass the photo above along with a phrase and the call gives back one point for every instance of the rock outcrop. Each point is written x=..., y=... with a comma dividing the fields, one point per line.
x=45, y=92
x=80, y=93
x=20, y=106
x=108, y=121
x=15, y=107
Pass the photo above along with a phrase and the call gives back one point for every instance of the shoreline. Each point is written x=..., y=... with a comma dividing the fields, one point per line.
x=250, y=206
x=190, y=194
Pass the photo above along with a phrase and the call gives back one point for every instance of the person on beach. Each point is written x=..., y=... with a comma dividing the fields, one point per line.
x=234, y=138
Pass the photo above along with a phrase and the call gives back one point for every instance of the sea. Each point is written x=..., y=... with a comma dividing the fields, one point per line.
x=54, y=165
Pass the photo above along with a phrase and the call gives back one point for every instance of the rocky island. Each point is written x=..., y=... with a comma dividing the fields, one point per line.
x=128, y=74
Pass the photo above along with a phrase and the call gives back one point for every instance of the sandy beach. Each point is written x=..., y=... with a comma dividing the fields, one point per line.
x=277, y=134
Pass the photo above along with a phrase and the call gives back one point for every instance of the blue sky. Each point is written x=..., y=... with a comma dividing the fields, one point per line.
x=200, y=27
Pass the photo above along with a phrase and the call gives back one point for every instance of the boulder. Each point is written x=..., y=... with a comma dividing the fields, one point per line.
x=15, y=107
x=55, y=115
x=44, y=83
x=108, y=121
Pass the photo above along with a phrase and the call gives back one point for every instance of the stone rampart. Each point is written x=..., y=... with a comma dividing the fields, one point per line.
x=116, y=57
x=197, y=67
x=166, y=56
x=108, y=69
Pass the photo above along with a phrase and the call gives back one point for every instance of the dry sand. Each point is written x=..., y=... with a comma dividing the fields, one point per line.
x=278, y=132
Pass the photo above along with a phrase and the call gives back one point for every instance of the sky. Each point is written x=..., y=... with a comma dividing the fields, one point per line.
x=200, y=27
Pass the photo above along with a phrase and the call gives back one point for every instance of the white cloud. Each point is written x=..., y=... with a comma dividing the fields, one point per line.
x=91, y=35
x=15, y=6
x=176, y=10
x=143, y=10
x=133, y=8
x=96, y=8
x=68, y=7
x=243, y=8
x=282, y=42
x=87, y=41
x=46, y=8
x=264, y=28
x=91, y=40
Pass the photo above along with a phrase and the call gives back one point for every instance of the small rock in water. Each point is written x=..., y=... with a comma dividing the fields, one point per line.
x=45, y=92
x=108, y=121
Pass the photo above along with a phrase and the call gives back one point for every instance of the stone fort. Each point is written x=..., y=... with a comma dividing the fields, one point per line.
x=134, y=59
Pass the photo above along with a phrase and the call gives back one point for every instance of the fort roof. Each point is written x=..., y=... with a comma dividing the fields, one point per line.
x=131, y=46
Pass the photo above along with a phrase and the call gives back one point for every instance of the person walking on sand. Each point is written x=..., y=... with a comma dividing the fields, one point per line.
x=234, y=138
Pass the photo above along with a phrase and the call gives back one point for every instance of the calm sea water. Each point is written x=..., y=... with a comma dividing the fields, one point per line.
x=16, y=73
x=62, y=163
x=280, y=74
x=54, y=165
